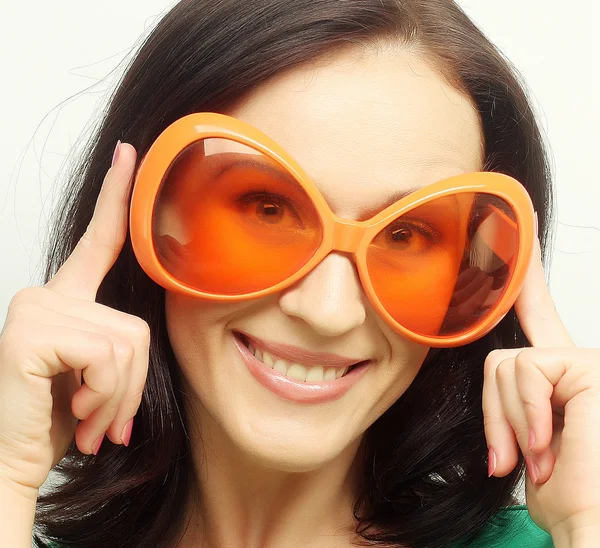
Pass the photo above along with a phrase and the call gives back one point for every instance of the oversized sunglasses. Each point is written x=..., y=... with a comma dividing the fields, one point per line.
x=220, y=211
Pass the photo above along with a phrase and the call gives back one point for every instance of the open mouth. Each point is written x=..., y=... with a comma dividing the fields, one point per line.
x=295, y=370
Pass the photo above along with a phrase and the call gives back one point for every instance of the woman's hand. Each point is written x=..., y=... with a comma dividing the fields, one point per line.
x=57, y=334
x=546, y=399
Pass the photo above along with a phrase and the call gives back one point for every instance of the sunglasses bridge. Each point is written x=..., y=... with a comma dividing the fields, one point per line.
x=347, y=235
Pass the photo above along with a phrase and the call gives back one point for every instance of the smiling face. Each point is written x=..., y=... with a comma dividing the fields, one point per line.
x=364, y=125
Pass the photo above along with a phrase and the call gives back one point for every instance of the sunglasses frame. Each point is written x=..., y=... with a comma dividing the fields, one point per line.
x=341, y=235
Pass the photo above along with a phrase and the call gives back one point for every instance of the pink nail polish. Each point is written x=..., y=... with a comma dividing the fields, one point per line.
x=532, y=468
x=491, y=462
x=116, y=154
x=126, y=434
x=97, y=445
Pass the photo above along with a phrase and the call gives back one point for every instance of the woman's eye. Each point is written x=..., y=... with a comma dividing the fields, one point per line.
x=401, y=236
x=269, y=208
x=270, y=211
x=410, y=236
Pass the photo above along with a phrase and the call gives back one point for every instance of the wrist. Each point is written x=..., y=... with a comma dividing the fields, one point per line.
x=587, y=539
x=579, y=539
x=13, y=489
x=584, y=533
x=17, y=516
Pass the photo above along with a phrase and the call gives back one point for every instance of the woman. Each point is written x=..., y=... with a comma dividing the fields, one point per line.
x=180, y=436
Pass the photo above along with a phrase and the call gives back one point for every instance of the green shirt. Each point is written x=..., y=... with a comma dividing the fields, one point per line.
x=518, y=531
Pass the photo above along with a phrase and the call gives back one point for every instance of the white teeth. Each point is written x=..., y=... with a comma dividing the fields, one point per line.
x=268, y=360
x=329, y=374
x=281, y=366
x=315, y=374
x=298, y=371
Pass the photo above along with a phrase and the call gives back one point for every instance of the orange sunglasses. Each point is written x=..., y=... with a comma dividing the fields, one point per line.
x=220, y=211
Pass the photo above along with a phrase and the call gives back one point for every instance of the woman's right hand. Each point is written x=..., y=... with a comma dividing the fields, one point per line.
x=56, y=335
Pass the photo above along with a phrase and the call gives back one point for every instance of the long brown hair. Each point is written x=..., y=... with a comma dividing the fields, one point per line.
x=425, y=470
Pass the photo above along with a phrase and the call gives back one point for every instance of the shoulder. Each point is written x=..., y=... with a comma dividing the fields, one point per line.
x=513, y=527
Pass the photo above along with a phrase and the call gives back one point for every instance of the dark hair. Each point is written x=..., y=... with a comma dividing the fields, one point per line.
x=425, y=480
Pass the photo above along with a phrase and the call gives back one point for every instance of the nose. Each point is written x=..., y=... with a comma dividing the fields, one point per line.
x=329, y=298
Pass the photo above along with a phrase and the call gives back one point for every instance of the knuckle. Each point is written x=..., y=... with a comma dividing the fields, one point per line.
x=111, y=384
x=522, y=433
x=110, y=410
x=124, y=349
x=531, y=406
x=488, y=421
x=492, y=429
x=505, y=368
x=137, y=393
x=20, y=297
x=525, y=358
x=135, y=400
x=103, y=347
x=104, y=382
x=491, y=416
x=141, y=330
x=24, y=298
x=493, y=358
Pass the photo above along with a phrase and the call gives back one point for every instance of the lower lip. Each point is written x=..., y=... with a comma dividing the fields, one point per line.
x=297, y=391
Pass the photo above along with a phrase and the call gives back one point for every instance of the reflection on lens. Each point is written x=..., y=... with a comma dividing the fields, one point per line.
x=229, y=220
x=455, y=259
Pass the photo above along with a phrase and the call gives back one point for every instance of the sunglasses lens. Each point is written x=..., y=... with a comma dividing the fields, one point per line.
x=442, y=267
x=230, y=220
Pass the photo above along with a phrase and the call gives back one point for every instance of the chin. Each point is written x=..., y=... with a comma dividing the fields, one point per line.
x=287, y=449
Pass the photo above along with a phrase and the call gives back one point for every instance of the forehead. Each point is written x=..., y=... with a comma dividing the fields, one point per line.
x=366, y=124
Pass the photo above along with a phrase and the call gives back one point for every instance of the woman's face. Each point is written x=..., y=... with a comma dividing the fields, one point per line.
x=364, y=125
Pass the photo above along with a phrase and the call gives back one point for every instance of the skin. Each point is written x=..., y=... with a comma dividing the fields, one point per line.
x=273, y=473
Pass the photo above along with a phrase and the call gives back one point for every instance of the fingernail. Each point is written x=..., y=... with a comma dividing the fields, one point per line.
x=532, y=468
x=537, y=224
x=126, y=434
x=116, y=154
x=491, y=462
x=531, y=439
x=97, y=445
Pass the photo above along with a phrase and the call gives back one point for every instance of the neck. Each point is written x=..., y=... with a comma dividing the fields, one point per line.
x=239, y=501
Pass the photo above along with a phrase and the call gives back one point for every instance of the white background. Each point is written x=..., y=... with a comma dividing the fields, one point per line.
x=58, y=62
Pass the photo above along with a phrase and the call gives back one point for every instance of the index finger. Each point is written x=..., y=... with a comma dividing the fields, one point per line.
x=536, y=310
x=97, y=250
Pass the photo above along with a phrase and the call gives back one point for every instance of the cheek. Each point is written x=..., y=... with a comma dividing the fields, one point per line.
x=200, y=335
x=196, y=328
x=189, y=314
x=399, y=372
x=185, y=329
x=408, y=363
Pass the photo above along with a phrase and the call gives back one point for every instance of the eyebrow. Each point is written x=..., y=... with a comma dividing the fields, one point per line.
x=282, y=174
x=368, y=212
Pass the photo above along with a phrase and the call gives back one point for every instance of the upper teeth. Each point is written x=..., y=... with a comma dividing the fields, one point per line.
x=298, y=371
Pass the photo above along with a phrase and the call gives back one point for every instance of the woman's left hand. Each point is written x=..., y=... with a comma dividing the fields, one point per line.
x=546, y=399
